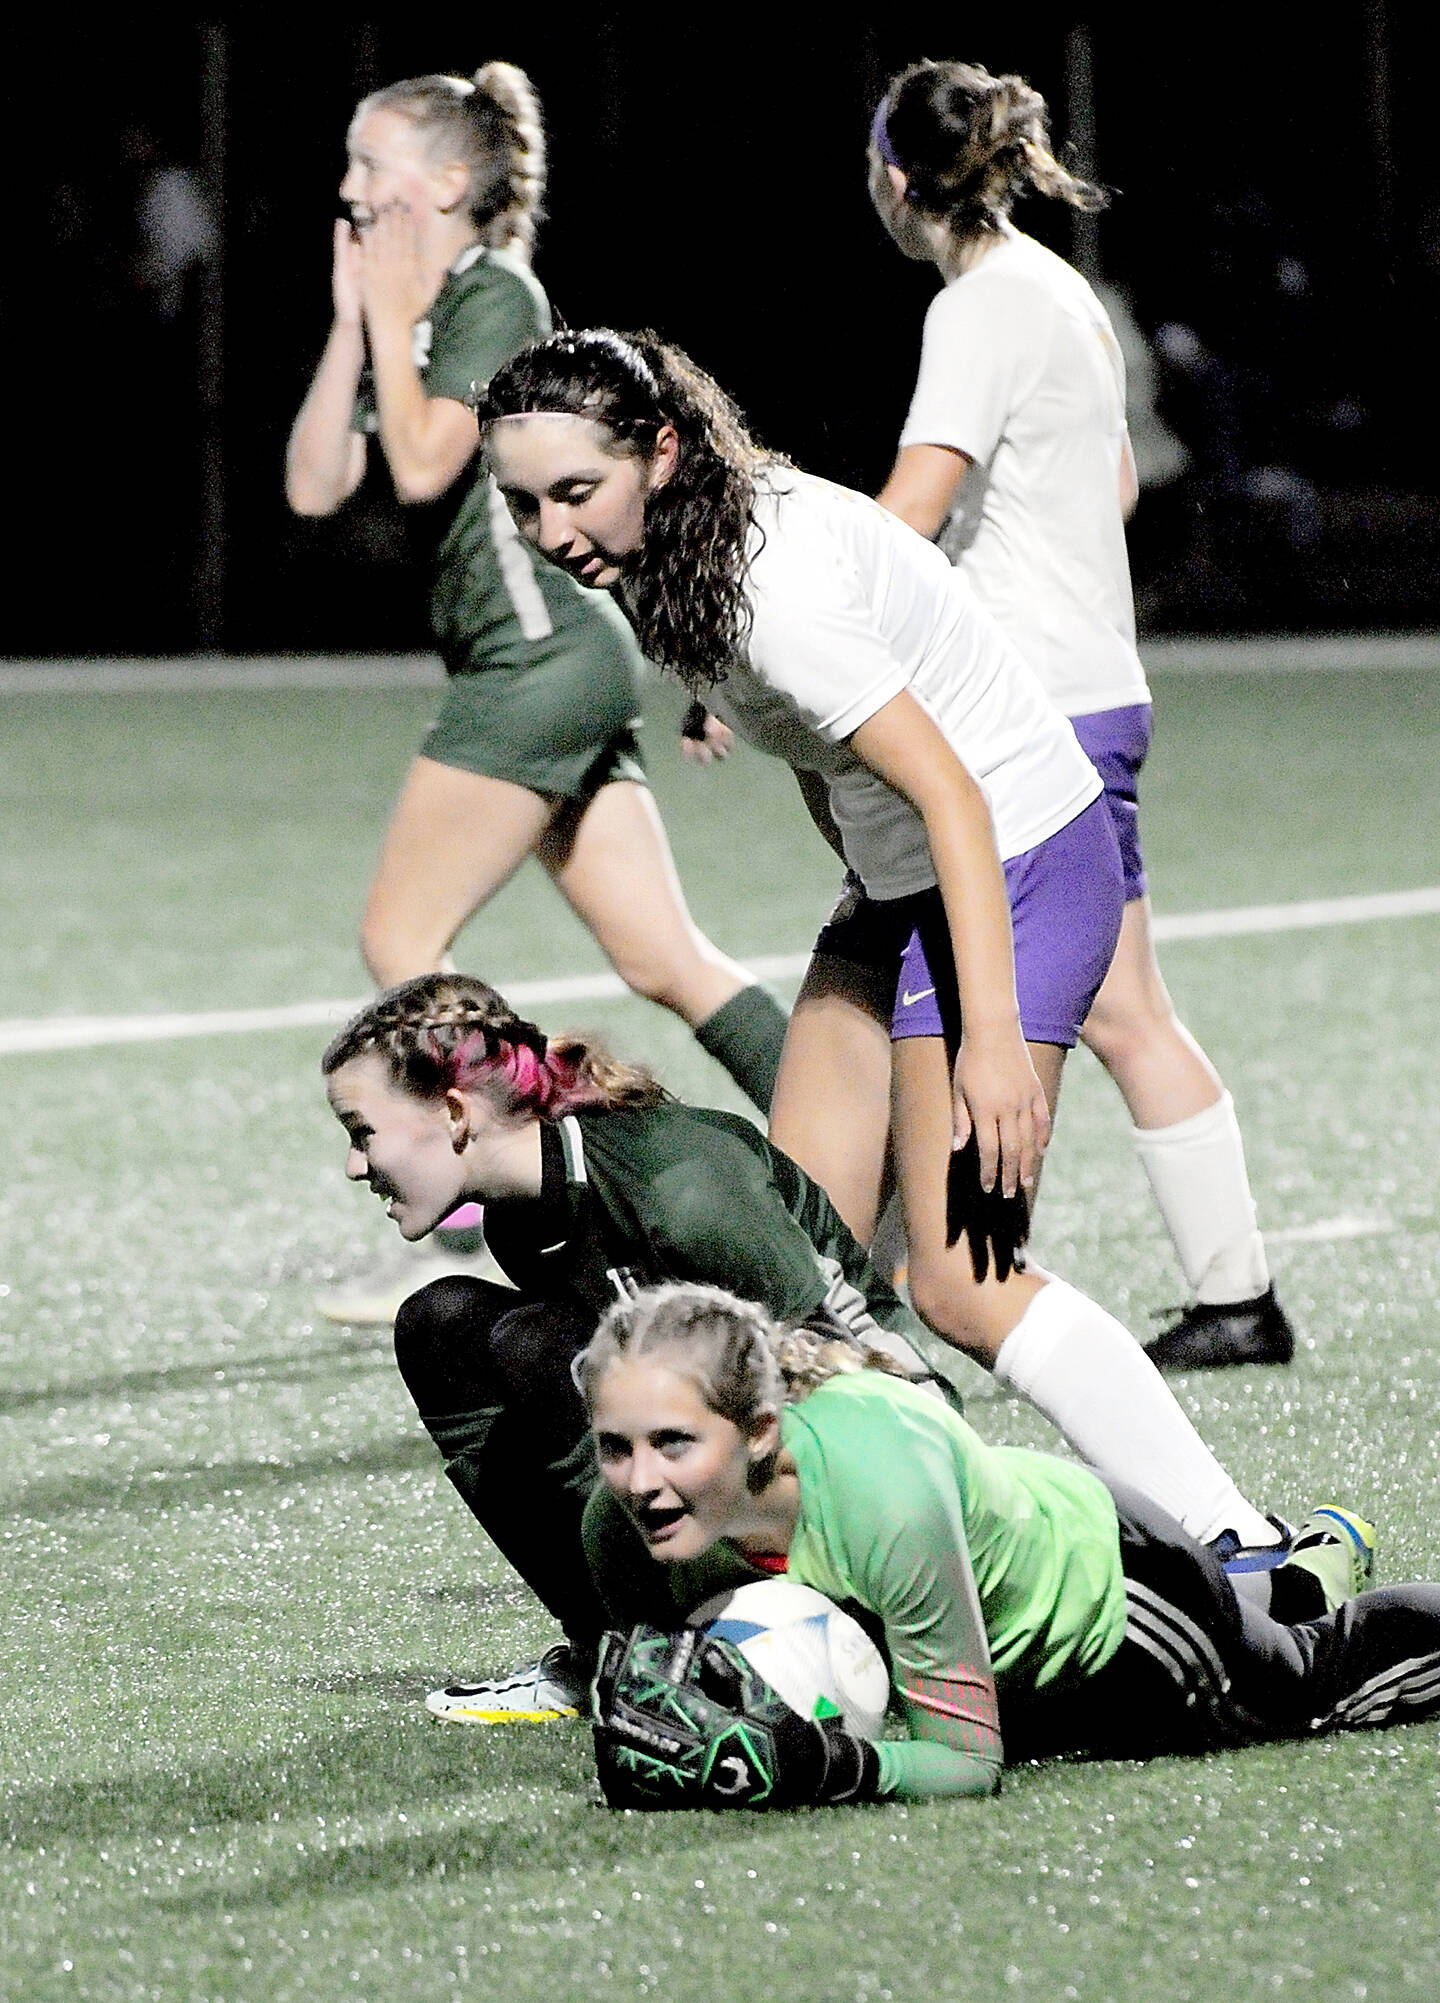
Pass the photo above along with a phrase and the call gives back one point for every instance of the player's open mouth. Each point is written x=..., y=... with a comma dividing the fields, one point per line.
x=658, y=1524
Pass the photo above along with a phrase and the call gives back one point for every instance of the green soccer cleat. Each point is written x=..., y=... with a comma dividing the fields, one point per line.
x=1337, y=1547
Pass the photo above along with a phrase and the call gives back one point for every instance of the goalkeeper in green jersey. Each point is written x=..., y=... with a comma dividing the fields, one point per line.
x=595, y=1184
x=1028, y=1606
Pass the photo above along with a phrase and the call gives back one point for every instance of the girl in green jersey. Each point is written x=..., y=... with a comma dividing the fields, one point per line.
x=596, y=1184
x=1028, y=1605
x=533, y=751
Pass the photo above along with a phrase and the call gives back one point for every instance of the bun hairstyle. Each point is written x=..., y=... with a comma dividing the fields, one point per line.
x=492, y=123
x=684, y=590
x=447, y=1032
x=968, y=143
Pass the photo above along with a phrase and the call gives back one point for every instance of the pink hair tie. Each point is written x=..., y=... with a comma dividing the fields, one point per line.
x=531, y=1076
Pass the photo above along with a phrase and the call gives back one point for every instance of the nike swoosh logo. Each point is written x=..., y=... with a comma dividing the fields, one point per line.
x=907, y=1000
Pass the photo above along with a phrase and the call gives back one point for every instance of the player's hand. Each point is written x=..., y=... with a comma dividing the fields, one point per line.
x=394, y=284
x=345, y=275
x=1000, y=1100
x=703, y=737
x=683, y=1721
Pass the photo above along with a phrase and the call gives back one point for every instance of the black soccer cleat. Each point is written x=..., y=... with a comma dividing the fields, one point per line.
x=1207, y=1335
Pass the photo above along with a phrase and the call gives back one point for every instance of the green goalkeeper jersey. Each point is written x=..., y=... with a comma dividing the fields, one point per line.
x=635, y=1197
x=991, y=1569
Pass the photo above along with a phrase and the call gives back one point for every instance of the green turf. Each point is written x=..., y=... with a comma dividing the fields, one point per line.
x=232, y=1566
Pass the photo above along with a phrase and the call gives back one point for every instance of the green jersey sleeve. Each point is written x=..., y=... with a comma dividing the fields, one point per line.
x=883, y=1523
x=479, y=322
x=715, y=1218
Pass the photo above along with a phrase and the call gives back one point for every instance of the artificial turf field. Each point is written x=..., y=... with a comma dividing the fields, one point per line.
x=232, y=1565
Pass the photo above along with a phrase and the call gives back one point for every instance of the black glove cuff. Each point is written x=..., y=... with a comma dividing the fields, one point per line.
x=852, y=1769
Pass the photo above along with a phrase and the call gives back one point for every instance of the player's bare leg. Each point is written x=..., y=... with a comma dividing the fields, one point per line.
x=454, y=839
x=612, y=864
x=1060, y=1350
x=831, y=1111
x=1189, y=1145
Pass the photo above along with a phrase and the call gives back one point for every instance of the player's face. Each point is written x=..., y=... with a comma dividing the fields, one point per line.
x=388, y=168
x=579, y=504
x=403, y=1147
x=679, y=1469
x=887, y=197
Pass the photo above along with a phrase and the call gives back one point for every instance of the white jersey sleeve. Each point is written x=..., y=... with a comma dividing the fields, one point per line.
x=977, y=362
x=813, y=631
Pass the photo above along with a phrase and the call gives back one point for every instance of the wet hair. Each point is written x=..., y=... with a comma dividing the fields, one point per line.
x=450, y=1032
x=492, y=123
x=968, y=143
x=684, y=590
x=744, y=1365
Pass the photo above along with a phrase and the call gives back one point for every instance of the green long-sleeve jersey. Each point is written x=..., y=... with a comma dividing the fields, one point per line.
x=992, y=1570
x=634, y=1197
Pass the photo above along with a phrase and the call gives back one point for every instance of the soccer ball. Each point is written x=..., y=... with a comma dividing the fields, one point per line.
x=810, y=1652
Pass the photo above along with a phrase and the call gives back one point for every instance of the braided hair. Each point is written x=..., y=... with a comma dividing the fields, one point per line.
x=450, y=1032
x=744, y=1365
x=968, y=143
x=491, y=122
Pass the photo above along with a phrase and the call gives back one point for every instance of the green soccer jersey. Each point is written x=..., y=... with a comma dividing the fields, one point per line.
x=675, y=1192
x=991, y=1569
x=492, y=601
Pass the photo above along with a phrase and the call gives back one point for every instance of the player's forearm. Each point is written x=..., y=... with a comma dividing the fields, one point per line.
x=977, y=912
x=325, y=458
x=414, y=436
x=922, y=1770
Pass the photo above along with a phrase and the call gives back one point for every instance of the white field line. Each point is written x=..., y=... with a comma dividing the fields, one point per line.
x=1329, y=1230
x=1299, y=917
x=198, y=677
x=1260, y=654
x=20, y=1036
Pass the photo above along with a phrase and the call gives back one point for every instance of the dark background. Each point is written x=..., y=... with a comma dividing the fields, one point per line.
x=1275, y=226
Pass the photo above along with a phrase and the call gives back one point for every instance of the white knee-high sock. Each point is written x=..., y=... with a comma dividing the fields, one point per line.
x=1197, y=1171
x=1094, y=1383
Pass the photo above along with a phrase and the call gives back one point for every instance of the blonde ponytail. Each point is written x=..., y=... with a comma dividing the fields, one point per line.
x=513, y=226
x=491, y=123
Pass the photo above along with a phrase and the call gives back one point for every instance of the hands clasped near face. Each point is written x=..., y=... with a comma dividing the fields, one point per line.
x=380, y=272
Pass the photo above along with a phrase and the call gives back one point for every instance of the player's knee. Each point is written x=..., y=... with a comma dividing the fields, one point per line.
x=531, y=1350
x=442, y=1342
x=1123, y=1035
x=952, y=1310
x=648, y=977
x=389, y=954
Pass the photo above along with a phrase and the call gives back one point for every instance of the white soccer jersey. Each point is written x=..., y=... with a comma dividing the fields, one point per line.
x=1020, y=370
x=850, y=607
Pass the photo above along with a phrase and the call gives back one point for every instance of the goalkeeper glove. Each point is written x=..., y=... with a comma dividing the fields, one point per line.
x=683, y=1721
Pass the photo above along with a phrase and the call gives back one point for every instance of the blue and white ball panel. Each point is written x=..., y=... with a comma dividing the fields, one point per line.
x=810, y=1652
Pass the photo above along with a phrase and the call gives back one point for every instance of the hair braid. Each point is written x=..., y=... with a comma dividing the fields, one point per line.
x=744, y=1364
x=445, y=1032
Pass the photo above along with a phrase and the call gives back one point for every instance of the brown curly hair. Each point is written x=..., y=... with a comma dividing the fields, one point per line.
x=685, y=590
